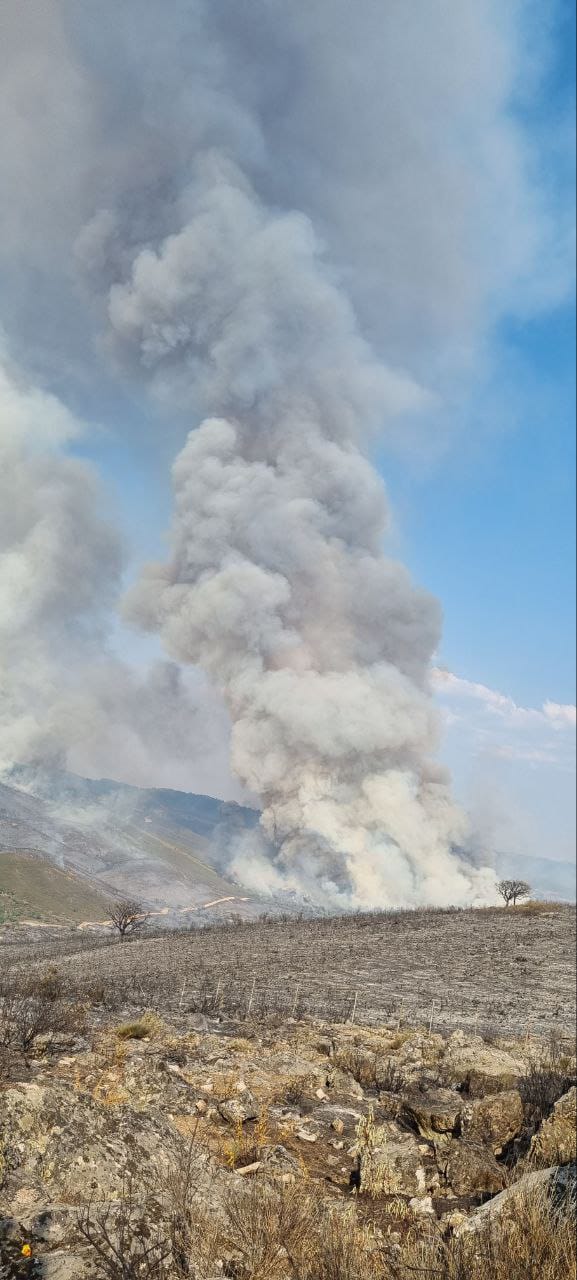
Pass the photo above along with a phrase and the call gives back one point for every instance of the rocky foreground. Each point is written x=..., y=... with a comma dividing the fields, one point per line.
x=107, y=1124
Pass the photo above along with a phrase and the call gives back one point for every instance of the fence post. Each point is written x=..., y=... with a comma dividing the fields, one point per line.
x=433, y=1003
x=182, y=994
x=296, y=1001
x=352, y=1018
x=251, y=998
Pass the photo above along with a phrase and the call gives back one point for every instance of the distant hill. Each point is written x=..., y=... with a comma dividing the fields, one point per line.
x=164, y=847
x=171, y=849
x=549, y=878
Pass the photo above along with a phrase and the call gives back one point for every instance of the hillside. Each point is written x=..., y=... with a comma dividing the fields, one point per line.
x=506, y=971
x=31, y=888
x=159, y=846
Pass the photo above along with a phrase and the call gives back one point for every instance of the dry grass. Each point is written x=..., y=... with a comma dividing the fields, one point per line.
x=528, y=1243
x=247, y=1146
x=147, y=1027
x=266, y=1232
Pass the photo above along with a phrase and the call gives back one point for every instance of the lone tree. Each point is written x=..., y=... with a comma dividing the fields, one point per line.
x=128, y=917
x=510, y=890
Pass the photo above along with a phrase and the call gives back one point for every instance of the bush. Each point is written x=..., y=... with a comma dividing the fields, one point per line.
x=31, y=1008
x=147, y=1026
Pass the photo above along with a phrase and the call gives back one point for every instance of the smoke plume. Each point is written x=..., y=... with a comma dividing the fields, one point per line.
x=65, y=700
x=289, y=227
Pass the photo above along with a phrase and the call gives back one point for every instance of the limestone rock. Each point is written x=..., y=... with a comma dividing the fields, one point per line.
x=495, y=1119
x=422, y=1206
x=237, y=1110
x=478, y=1067
x=471, y=1169
x=435, y=1112
x=555, y=1141
x=561, y=1190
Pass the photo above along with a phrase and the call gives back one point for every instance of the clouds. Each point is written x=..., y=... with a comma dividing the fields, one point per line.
x=499, y=727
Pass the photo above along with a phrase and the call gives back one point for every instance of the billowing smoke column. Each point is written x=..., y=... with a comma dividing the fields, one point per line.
x=152, y=155
x=277, y=584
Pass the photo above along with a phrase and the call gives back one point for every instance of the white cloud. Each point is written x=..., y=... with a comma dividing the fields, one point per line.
x=454, y=689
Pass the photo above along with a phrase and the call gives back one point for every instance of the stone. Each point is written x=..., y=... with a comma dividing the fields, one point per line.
x=325, y=1047
x=495, y=1119
x=422, y=1206
x=471, y=1169
x=278, y=1160
x=555, y=1141
x=478, y=1067
x=62, y=1146
x=237, y=1110
x=305, y=1136
x=434, y=1112
x=561, y=1190
x=338, y=1125
x=454, y=1219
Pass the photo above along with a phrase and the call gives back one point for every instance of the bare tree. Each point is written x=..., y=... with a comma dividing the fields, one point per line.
x=510, y=890
x=128, y=917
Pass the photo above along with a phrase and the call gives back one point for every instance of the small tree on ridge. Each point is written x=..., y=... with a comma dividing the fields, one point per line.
x=510, y=890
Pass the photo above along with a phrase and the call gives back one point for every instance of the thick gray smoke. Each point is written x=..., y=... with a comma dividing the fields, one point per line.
x=290, y=225
x=64, y=699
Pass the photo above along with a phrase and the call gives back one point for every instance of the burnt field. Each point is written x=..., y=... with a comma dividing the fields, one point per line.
x=497, y=971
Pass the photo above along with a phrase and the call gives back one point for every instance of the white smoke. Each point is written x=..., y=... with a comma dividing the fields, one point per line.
x=278, y=585
x=297, y=223
x=64, y=699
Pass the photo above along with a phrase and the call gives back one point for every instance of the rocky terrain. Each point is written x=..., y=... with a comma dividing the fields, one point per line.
x=149, y=1136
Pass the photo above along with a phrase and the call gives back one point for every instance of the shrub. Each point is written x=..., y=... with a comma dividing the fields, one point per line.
x=29, y=1009
x=247, y=1146
x=148, y=1025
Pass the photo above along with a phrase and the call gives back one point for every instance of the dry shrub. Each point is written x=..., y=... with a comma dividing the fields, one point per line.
x=277, y=1232
x=146, y=1027
x=247, y=1146
x=293, y=1091
x=375, y=1176
x=266, y=1230
x=34, y=1007
x=530, y=1243
x=360, y=1063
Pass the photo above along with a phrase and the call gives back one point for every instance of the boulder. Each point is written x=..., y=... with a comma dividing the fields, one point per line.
x=434, y=1112
x=479, y=1067
x=62, y=1147
x=555, y=1141
x=495, y=1119
x=557, y=1182
x=470, y=1169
